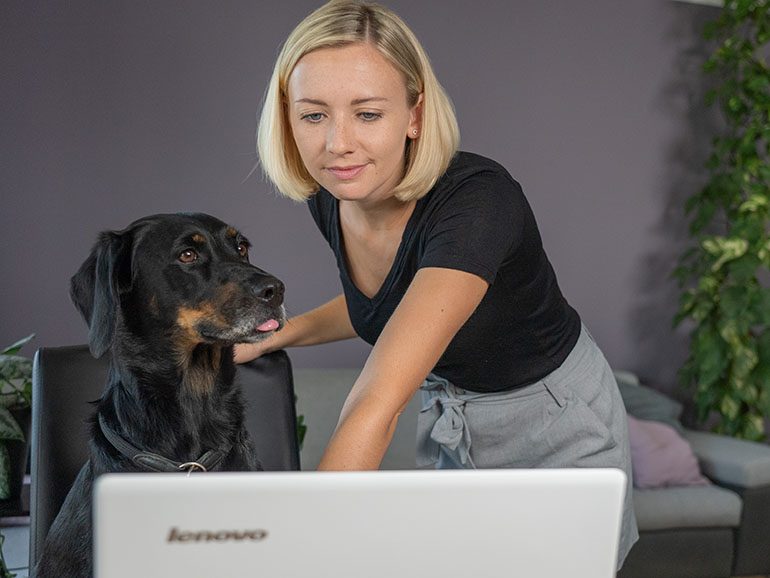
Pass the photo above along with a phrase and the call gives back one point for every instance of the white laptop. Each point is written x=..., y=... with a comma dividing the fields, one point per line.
x=389, y=524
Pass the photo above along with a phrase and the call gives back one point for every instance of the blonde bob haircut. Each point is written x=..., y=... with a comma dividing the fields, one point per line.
x=338, y=23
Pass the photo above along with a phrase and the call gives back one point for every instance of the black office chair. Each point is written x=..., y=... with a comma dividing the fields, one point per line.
x=65, y=379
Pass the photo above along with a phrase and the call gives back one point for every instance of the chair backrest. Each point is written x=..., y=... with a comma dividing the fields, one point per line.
x=66, y=379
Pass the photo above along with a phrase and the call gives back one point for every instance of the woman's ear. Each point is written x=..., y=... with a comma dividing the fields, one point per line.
x=415, y=118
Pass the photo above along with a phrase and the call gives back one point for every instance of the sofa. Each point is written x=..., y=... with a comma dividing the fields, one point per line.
x=702, y=500
x=708, y=519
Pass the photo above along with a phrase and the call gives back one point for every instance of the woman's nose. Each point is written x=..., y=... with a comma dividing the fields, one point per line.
x=339, y=138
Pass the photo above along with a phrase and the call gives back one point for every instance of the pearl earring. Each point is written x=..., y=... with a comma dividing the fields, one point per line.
x=414, y=132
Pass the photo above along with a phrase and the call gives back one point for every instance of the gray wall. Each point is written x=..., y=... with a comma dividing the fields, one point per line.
x=113, y=110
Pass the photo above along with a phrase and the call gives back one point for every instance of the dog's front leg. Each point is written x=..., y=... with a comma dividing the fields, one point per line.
x=67, y=549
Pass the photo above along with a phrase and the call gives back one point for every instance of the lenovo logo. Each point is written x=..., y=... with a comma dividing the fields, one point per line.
x=185, y=536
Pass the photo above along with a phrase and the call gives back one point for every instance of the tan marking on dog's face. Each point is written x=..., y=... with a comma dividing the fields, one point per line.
x=185, y=337
x=231, y=233
x=199, y=362
x=206, y=311
x=187, y=317
x=198, y=238
x=187, y=320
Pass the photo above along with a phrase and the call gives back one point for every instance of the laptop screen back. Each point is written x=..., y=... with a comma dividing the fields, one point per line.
x=423, y=524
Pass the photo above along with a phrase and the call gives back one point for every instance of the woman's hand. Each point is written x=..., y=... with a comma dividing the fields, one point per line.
x=245, y=352
x=434, y=308
x=324, y=324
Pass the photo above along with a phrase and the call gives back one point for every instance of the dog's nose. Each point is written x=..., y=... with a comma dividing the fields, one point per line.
x=270, y=291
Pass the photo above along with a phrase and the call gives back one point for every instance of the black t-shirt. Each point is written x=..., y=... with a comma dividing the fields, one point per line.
x=475, y=219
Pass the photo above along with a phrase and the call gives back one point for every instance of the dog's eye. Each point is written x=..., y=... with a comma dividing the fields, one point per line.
x=243, y=249
x=188, y=256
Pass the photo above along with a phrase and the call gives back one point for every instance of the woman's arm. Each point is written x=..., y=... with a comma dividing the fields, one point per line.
x=436, y=305
x=327, y=323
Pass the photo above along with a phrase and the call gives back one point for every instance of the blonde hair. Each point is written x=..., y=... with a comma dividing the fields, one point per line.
x=338, y=23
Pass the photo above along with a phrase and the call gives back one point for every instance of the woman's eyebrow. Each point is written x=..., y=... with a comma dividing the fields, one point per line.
x=368, y=99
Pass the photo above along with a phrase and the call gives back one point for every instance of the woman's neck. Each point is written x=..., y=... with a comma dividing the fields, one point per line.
x=380, y=216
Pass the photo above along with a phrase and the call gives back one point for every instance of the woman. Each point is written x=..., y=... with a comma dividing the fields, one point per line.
x=441, y=262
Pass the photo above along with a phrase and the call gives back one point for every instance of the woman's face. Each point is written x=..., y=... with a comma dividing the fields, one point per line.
x=349, y=115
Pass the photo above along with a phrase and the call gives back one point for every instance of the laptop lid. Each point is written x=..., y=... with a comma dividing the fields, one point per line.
x=424, y=524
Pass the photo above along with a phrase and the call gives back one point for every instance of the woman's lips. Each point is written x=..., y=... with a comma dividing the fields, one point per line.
x=346, y=173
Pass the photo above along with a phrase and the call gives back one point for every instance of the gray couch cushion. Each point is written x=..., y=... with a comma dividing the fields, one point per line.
x=731, y=460
x=645, y=403
x=688, y=507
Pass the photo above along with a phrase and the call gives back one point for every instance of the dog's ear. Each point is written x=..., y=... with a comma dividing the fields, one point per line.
x=95, y=289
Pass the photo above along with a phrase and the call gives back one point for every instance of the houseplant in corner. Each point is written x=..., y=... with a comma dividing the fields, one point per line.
x=15, y=404
x=15, y=401
x=724, y=276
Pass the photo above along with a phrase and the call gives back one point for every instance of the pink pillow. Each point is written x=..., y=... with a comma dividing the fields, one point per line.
x=660, y=457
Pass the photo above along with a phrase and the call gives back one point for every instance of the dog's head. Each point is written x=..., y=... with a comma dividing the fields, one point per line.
x=182, y=277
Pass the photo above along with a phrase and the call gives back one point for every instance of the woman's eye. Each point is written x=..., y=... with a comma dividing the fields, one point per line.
x=188, y=256
x=243, y=250
x=370, y=115
x=313, y=117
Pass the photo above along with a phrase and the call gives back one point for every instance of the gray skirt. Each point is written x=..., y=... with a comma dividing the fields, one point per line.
x=573, y=417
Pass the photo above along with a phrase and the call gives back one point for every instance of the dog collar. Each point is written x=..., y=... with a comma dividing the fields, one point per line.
x=155, y=462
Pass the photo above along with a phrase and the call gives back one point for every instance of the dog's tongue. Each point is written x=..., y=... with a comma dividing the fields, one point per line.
x=268, y=325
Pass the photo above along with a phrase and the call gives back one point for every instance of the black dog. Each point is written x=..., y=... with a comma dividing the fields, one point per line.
x=168, y=297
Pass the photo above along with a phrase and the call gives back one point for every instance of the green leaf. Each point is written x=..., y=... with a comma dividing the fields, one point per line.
x=759, y=305
x=764, y=254
x=757, y=83
x=753, y=427
x=11, y=399
x=705, y=402
x=702, y=309
x=730, y=331
x=754, y=203
x=705, y=213
x=687, y=373
x=749, y=394
x=724, y=249
x=14, y=349
x=708, y=285
x=744, y=269
x=5, y=467
x=9, y=429
x=691, y=203
x=15, y=367
x=687, y=300
x=734, y=302
x=730, y=407
x=745, y=358
x=764, y=395
x=711, y=355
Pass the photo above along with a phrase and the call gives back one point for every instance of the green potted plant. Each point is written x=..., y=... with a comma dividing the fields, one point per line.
x=723, y=278
x=15, y=404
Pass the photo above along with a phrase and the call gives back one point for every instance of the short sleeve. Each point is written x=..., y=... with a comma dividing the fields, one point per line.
x=477, y=226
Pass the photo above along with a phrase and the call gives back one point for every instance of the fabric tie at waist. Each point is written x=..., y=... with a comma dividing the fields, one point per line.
x=442, y=422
